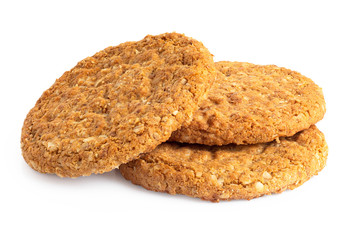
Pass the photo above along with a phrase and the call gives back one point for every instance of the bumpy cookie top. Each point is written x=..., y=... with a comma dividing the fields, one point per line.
x=123, y=101
x=252, y=104
x=232, y=171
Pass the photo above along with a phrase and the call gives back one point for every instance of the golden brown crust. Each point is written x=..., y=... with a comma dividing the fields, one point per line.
x=253, y=104
x=117, y=104
x=233, y=171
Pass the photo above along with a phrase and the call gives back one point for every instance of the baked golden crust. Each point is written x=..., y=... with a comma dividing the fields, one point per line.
x=253, y=104
x=233, y=171
x=121, y=102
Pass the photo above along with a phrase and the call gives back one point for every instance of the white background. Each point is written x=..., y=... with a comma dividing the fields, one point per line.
x=41, y=40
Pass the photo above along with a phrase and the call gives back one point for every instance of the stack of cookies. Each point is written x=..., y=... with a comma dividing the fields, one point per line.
x=174, y=121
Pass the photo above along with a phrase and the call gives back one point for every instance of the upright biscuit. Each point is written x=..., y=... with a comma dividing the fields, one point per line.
x=233, y=171
x=117, y=104
x=253, y=104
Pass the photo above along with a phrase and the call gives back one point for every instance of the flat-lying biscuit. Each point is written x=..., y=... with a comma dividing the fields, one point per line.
x=253, y=104
x=233, y=171
x=121, y=102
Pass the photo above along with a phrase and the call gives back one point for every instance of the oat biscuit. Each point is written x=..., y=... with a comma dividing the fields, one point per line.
x=233, y=171
x=253, y=104
x=121, y=102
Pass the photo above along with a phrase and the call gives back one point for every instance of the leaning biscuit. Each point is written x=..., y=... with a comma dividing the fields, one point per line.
x=233, y=171
x=251, y=103
x=121, y=102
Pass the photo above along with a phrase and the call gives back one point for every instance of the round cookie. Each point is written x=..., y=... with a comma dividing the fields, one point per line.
x=251, y=103
x=121, y=102
x=233, y=171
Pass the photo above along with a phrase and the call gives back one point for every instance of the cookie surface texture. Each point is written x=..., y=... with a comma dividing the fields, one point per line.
x=121, y=102
x=233, y=171
x=251, y=103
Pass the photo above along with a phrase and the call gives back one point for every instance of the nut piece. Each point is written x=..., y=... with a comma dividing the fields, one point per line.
x=267, y=175
x=259, y=186
x=247, y=181
x=220, y=181
x=88, y=139
x=214, y=178
x=139, y=129
x=51, y=146
x=183, y=81
x=198, y=174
